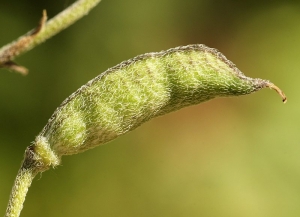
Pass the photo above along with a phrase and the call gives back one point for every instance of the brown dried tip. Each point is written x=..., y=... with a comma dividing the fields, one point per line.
x=10, y=65
x=41, y=23
x=277, y=89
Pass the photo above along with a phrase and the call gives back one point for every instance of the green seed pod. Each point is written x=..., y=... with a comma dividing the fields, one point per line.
x=131, y=93
x=127, y=95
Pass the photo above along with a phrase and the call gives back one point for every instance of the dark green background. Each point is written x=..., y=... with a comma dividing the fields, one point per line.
x=234, y=157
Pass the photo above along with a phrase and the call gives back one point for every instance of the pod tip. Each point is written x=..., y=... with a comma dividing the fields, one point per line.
x=278, y=90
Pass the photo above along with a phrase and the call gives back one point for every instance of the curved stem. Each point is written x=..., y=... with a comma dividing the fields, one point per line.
x=19, y=191
x=37, y=158
x=43, y=32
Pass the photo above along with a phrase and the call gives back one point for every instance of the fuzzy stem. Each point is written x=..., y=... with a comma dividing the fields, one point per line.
x=19, y=191
x=43, y=32
x=37, y=158
x=65, y=19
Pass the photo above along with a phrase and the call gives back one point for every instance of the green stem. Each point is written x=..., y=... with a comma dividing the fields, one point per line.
x=43, y=32
x=19, y=191
x=38, y=158
x=64, y=20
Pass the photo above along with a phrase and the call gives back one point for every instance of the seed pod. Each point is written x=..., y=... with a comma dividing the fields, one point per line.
x=149, y=85
x=127, y=95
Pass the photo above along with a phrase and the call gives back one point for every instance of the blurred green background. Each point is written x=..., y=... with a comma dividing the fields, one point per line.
x=229, y=157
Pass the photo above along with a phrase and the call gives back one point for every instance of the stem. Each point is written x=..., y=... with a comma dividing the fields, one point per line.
x=43, y=32
x=19, y=191
x=38, y=158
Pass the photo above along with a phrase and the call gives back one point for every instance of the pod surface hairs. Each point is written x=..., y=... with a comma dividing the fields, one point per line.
x=134, y=91
x=124, y=97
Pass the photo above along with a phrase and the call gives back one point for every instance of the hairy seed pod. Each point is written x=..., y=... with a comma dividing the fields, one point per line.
x=127, y=95
x=149, y=85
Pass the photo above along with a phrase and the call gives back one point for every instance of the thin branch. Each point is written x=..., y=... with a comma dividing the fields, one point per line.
x=42, y=32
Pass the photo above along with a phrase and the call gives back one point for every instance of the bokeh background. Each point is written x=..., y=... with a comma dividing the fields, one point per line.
x=229, y=157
